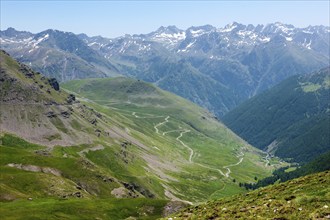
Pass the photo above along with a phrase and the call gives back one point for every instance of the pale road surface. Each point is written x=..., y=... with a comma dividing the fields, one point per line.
x=136, y=116
x=191, y=150
x=267, y=159
x=232, y=165
x=161, y=123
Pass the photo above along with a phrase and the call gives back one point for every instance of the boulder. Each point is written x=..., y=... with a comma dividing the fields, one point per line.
x=51, y=114
x=53, y=83
x=70, y=99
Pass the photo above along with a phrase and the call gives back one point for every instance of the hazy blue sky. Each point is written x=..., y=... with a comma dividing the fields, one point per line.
x=115, y=18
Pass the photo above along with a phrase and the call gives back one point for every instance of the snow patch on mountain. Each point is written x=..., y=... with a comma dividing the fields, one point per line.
x=228, y=28
x=284, y=28
x=265, y=39
x=307, y=44
x=197, y=33
x=169, y=38
x=289, y=38
x=187, y=47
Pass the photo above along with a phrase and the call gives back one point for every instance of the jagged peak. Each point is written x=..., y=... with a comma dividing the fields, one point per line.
x=55, y=31
x=171, y=29
x=11, y=29
x=278, y=27
x=12, y=32
x=232, y=26
x=203, y=27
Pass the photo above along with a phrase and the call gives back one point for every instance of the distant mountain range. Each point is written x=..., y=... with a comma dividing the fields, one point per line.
x=217, y=68
x=57, y=54
x=291, y=120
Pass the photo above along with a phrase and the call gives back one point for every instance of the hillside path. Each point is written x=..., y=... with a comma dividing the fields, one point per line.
x=241, y=157
x=183, y=144
x=82, y=153
x=161, y=123
x=136, y=116
x=191, y=154
x=267, y=159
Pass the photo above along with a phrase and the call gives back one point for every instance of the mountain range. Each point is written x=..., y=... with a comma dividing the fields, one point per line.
x=217, y=68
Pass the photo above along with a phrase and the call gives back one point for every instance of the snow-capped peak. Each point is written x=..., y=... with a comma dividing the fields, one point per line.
x=229, y=27
x=200, y=30
x=168, y=35
x=278, y=27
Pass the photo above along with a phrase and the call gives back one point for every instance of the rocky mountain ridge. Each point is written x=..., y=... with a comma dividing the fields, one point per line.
x=217, y=68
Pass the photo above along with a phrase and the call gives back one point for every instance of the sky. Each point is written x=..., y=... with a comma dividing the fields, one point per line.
x=116, y=18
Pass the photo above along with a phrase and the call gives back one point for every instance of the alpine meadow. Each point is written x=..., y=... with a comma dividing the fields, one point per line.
x=227, y=121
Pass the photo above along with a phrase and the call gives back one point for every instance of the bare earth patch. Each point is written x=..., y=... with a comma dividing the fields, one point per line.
x=34, y=168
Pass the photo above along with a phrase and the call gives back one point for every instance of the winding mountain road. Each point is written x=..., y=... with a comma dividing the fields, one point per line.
x=211, y=168
x=183, y=144
x=167, y=132
x=161, y=123
x=240, y=160
x=232, y=165
x=191, y=154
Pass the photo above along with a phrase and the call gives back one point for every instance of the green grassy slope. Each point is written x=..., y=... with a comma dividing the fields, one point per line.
x=303, y=198
x=207, y=148
x=292, y=119
x=121, y=139
x=80, y=191
x=83, y=209
x=58, y=171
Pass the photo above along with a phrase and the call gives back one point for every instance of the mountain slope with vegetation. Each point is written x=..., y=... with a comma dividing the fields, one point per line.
x=290, y=120
x=118, y=138
x=303, y=198
x=319, y=164
x=161, y=113
x=216, y=68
